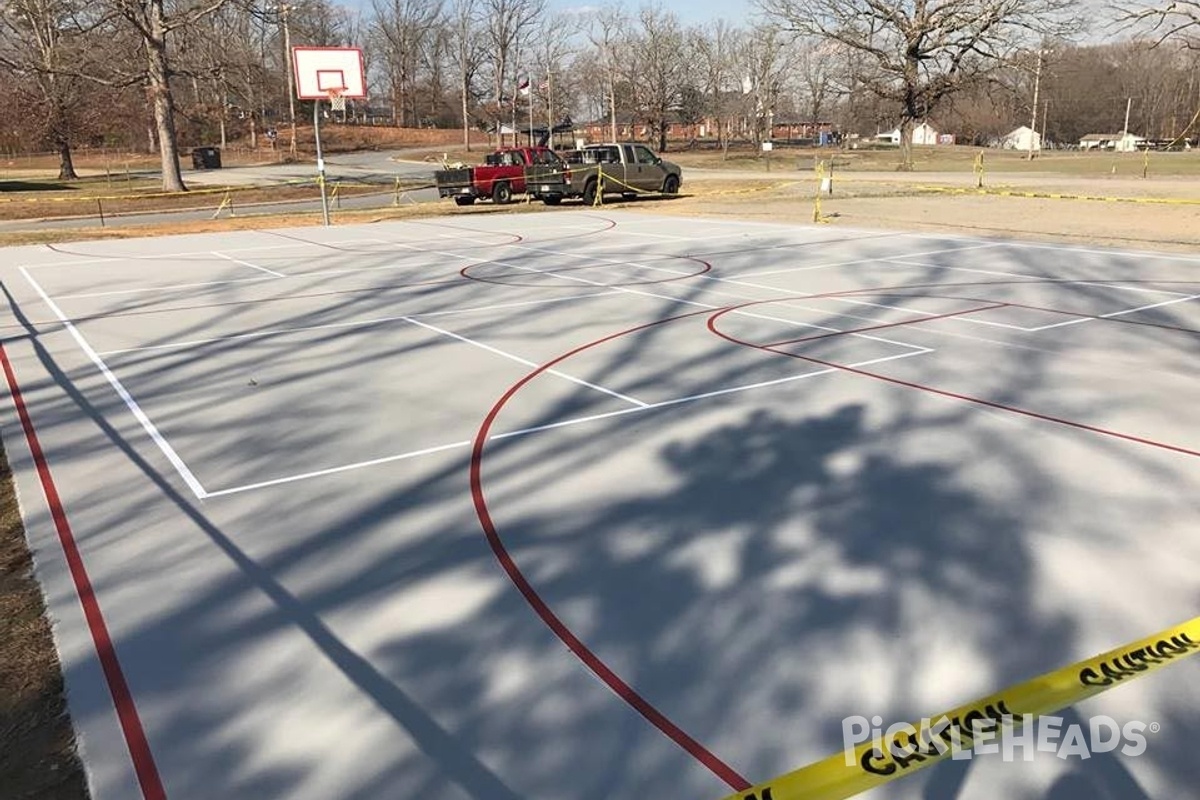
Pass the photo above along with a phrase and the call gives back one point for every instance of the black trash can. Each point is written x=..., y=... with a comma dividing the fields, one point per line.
x=206, y=158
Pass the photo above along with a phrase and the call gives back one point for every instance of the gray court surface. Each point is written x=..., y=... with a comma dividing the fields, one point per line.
x=786, y=475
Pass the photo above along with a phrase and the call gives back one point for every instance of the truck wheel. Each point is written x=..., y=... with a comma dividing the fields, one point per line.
x=464, y=201
x=589, y=193
x=670, y=185
x=501, y=193
x=552, y=199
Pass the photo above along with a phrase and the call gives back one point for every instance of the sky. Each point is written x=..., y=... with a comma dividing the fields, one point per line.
x=690, y=12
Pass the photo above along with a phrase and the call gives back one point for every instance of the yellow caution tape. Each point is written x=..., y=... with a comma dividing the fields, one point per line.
x=1185, y=201
x=874, y=764
x=188, y=193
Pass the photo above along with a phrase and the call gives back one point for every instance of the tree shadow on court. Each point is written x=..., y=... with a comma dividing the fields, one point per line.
x=759, y=568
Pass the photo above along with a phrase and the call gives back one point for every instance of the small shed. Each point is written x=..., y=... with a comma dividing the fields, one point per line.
x=1023, y=138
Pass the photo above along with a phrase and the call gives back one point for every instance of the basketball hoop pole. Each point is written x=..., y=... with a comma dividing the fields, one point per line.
x=320, y=160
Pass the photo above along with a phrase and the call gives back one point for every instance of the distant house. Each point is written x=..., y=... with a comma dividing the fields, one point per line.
x=922, y=134
x=1120, y=142
x=1023, y=138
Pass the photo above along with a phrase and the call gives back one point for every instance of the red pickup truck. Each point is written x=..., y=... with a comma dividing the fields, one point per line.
x=500, y=176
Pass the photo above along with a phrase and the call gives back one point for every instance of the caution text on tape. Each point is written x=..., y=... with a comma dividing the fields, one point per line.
x=987, y=719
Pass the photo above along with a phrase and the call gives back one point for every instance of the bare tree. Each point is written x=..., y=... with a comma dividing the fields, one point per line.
x=552, y=43
x=609, y=29
x=154, y=25
x=466, y=50
x=714, y=50
x=658, y=68
x=506, y=25
x=922, y=52
x=402, y=29
x=38, y=38
x=765, y=59
x=1177, y=20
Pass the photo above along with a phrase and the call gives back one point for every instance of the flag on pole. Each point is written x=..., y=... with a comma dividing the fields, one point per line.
x=523, y=87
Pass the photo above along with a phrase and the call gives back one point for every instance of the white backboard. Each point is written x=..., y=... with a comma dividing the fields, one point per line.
x=320, y=69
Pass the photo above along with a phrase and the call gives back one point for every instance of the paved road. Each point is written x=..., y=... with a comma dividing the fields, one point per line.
x=381, y=167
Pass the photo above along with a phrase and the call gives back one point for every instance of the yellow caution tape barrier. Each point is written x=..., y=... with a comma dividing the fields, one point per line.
x=189, y=193
x=983, y=721
x=1183, y=201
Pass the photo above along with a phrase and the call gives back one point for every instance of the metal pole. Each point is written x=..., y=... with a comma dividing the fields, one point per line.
x=320, y=160
x=1037, y=84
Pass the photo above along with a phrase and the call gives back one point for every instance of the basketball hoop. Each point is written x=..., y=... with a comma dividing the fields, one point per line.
x=337, y=102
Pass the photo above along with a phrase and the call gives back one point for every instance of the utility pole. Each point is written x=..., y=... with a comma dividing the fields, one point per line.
x=612, y=92
x=284, y=9
x=1037, y=85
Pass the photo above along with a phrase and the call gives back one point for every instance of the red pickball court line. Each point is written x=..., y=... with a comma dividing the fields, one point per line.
x=704, y=267
x=716, y=315
x=127, y=714
x=559, y=628
x=593, y=662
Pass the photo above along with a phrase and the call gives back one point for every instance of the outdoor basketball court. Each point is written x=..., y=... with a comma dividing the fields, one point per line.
x=343, y=495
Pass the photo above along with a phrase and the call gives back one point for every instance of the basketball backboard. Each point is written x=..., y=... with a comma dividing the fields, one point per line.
x=325, y=72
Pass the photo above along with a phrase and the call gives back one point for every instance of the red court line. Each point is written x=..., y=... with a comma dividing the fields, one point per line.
x=593, y=662
x=613, y=681
x=127, y=714
x=1083, y=315
x=704, y=267
x=888, y=325
x=712, y=326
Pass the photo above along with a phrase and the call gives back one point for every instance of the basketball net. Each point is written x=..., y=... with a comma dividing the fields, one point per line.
x=336, y=101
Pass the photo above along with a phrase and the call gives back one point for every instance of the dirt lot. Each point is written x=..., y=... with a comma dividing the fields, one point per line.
x=875, y=203
x=37, y=755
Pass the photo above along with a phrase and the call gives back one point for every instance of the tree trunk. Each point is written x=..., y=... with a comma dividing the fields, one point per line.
x=662, y=135
x=465, y=119
x=158, y=75
x=66, y=167
x=906, y=144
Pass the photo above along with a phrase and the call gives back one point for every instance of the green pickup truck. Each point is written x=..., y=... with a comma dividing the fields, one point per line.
x=628, y=169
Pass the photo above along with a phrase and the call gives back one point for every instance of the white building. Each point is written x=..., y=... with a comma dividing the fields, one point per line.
x=922, y=134
x=1121, y=142
x=1023, y=138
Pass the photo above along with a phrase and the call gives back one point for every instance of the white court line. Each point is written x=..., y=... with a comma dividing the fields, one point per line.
x=783, y=270
x=524, y=361
x=163, y=444
x=1112, y=314
x=343, y=468
x=549, y=426
x=187, y=253
x=902, y=260
x=1073, y=249
x=168, y=288
x=347, y=324
x=248, y=264
x=789, y=293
